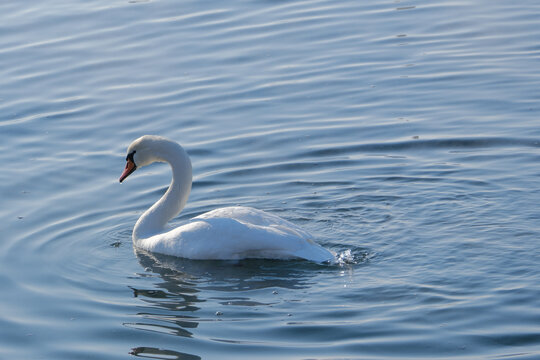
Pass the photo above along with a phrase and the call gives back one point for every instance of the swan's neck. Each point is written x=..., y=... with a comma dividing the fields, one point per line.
x=154, y=220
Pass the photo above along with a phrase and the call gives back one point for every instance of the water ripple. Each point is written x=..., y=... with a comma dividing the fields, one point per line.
x=403, y=135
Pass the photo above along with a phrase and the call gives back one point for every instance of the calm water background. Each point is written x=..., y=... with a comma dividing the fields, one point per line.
x=404, y=134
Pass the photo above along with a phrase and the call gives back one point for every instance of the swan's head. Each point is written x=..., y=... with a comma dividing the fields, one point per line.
x=146, y=150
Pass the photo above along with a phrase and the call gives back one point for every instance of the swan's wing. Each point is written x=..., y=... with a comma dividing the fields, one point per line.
x=251, y=216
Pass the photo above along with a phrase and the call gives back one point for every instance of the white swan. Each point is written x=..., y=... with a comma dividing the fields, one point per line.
x=226, y=233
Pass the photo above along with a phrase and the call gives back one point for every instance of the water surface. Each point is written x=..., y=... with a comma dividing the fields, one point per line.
x=405, y=135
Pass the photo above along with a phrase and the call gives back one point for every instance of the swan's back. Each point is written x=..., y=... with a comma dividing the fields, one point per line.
x=253, y=216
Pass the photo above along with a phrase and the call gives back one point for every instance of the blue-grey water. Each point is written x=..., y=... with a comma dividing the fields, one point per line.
x=404, y=134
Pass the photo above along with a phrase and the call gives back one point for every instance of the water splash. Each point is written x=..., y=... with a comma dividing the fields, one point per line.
x=346, y=257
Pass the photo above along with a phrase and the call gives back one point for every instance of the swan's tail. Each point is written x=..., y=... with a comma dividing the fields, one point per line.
x=317, y=254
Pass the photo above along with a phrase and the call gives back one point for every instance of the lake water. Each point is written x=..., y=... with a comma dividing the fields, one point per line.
x=404, y=134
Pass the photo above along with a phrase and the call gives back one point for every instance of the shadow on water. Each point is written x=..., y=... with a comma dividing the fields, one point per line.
x=228, y=276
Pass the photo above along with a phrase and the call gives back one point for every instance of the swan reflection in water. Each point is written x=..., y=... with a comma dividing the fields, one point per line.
x=190, y=292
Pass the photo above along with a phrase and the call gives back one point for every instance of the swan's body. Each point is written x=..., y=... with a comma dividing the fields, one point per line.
x=225, y=233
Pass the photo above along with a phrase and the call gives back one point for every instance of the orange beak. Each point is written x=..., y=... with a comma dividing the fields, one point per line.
x=130, y=167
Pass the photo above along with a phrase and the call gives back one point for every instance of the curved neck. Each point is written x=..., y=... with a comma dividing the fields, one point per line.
x=154, y=220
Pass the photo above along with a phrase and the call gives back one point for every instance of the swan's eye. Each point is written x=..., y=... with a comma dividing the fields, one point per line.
x=130, y=156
